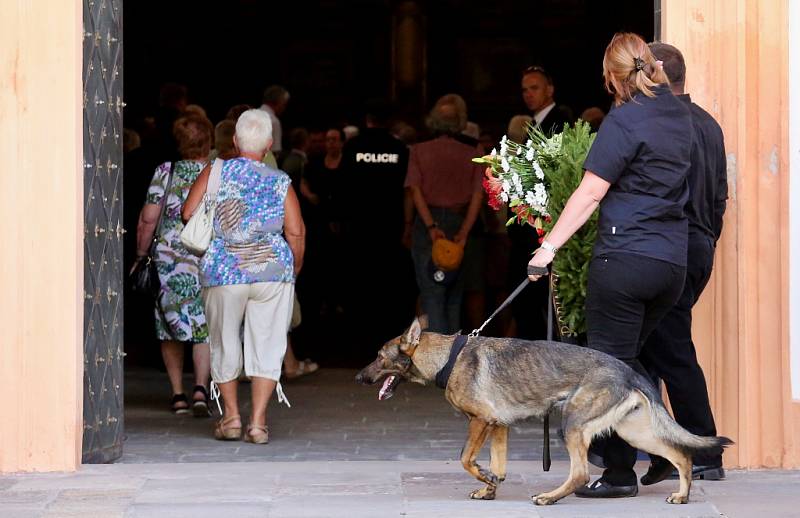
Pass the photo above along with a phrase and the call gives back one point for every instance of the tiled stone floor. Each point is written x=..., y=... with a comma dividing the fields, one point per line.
x=339, y=452
x=331, y=418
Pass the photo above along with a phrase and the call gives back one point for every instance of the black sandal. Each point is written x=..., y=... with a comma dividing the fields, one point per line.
x=200, y=407
x=180, y=398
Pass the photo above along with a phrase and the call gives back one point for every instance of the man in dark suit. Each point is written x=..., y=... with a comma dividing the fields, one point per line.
x=530, y=307
x=538, y=93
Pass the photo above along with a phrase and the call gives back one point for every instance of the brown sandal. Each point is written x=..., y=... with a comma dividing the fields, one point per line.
x=227, y=433
x=260, y=437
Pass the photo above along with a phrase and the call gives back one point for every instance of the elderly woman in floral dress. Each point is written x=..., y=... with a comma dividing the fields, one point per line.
x=248, y=274
x=179, y=308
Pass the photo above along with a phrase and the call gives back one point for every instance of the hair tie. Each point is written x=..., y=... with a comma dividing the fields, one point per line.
x=638, y=64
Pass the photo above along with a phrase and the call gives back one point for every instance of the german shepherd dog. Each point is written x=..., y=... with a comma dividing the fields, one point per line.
x=496, y=382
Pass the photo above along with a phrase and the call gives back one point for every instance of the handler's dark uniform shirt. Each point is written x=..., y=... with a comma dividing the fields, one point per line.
x=708, y=175
x=643, y=149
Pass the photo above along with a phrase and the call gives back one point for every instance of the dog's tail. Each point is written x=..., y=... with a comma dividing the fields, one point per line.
x=665, y=427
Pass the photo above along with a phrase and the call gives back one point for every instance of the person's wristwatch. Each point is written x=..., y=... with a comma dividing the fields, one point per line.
x=549, y=247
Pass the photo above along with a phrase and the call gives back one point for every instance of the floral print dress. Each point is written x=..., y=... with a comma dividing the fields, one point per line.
x=179, y=311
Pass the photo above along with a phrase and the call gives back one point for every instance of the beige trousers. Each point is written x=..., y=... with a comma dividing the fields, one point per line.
x=266, y=310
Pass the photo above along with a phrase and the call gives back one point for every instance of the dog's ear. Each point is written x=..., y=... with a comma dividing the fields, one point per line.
x=411, y=337
x=423, y=321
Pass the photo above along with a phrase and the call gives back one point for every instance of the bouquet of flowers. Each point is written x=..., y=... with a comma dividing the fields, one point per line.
x=534, y=180
x=516, y=177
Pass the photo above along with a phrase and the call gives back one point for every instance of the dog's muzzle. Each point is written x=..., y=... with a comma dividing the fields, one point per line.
x=391, y=381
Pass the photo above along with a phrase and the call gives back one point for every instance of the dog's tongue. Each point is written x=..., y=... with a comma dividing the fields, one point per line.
x=382, y=393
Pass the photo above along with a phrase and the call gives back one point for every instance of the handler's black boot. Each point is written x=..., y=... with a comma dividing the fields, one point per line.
x=601, y=488
x=661, y=469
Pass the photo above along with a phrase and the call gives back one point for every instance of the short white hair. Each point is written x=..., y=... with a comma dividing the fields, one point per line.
x=253, y=131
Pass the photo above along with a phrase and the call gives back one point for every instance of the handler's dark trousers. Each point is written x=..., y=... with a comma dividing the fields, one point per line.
x=669, y=352
x=626, y=297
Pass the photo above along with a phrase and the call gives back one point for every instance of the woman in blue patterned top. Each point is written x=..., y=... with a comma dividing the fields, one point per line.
x=248, y=274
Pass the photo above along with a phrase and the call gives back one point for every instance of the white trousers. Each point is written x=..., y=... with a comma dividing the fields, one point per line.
x=266, y=310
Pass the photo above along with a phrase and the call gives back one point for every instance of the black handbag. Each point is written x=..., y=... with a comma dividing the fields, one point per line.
x=144, y=275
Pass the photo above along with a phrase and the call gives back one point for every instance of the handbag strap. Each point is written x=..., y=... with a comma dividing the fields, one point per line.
x=214, y=178
x=157, y=233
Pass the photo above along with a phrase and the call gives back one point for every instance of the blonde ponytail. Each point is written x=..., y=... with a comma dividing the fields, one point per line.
x=629, y=68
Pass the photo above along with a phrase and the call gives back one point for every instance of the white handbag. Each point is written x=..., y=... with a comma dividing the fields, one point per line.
x=198, y=231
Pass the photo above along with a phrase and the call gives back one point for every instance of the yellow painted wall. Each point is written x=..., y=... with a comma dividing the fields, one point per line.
x=41, y=222
x=736, y=55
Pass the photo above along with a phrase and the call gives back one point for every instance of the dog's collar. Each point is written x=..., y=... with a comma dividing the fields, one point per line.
x=443, y=376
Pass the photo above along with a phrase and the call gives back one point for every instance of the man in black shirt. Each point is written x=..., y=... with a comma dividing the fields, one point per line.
x=370, y=189
x=669, y=353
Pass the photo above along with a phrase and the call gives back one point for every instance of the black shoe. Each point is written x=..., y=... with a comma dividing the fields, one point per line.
x=602, y=489
x=660, y=469
x=702, y=473
x=200, y=406
x=180, y=404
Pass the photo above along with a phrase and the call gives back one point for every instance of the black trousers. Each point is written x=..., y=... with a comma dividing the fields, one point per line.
x=669, y=353
x=627, y=295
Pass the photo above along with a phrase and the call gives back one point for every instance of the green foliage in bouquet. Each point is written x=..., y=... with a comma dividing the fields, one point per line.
x=571, y=264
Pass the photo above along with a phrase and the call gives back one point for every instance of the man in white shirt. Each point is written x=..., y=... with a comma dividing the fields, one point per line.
x=530, y=307
x=276, y=98
x=537, y=92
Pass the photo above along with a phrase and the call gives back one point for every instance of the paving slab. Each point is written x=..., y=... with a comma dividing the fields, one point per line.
x=199, y=510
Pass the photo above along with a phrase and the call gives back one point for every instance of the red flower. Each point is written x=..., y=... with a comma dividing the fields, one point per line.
x=493, y=187
x=541, y=240
x=524, y=214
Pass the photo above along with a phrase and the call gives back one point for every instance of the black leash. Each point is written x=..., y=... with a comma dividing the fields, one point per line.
x=532, y=270
x=546, y=421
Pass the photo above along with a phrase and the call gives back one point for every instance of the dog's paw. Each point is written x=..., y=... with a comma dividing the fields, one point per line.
x=484, y=493
x=676, y=498
x=543, y=499
x=489, y=477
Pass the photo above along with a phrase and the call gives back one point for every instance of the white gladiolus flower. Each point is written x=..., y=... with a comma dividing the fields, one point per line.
x=494, y=152
x=537, y=169
x=505, y=165
x=504, y=197
x=515, y=179
x=529, y=156
x=506, y=186
x=504, y=146
x=540, y=193
x=530, y=199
